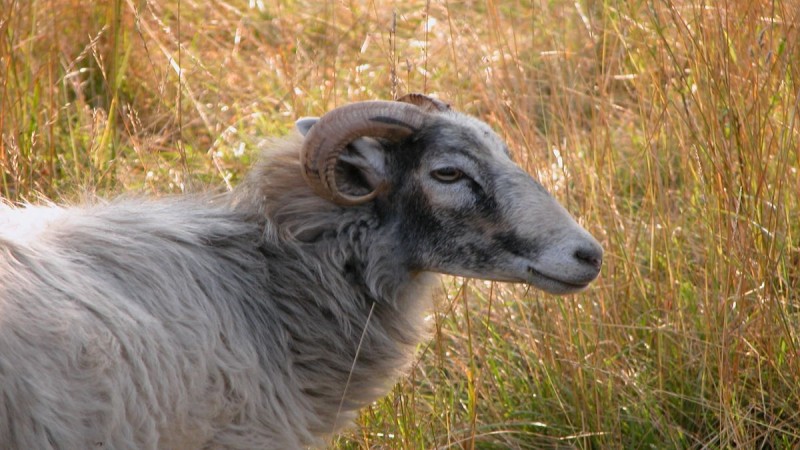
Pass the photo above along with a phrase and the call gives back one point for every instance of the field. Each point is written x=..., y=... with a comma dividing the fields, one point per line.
x=670, y=128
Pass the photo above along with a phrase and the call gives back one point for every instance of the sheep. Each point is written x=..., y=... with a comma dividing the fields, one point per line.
x=267, y=316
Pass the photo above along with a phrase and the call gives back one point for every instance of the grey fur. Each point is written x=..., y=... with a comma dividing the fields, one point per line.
x=235, y=321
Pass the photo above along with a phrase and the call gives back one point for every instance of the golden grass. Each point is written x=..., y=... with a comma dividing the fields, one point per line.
x=668, y=127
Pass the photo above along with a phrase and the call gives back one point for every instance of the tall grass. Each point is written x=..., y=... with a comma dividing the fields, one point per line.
x=669, y=128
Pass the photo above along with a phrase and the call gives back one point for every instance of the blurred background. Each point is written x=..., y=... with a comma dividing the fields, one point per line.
x=668, y=128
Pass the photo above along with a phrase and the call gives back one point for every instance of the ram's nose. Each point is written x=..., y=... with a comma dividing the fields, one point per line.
x=591, y=255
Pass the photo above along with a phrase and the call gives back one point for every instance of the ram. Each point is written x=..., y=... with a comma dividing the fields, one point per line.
x=265, y=317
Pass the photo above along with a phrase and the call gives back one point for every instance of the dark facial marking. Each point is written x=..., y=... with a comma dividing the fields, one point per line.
x=510, y=242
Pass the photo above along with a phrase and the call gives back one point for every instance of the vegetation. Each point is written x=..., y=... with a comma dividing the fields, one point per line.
x=670, y=127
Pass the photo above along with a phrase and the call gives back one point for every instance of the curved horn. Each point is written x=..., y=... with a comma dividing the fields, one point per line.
x=329, y=137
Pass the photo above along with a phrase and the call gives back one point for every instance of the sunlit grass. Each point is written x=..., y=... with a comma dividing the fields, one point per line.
x=668, y=128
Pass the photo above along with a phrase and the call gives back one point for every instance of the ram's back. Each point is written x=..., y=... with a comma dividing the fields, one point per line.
x=109, y=320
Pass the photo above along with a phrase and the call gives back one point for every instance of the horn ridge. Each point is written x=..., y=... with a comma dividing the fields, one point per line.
x=392, y=121
x=424, y=102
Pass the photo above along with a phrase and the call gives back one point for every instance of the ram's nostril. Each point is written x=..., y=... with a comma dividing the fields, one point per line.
x=591, y=256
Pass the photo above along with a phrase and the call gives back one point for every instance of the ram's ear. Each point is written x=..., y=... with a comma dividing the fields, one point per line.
x=304, y=124
x=362, y=167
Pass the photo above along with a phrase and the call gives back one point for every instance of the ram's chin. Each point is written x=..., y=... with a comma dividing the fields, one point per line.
x=554, y=285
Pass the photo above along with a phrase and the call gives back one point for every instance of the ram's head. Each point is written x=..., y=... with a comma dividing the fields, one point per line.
x=445, y=185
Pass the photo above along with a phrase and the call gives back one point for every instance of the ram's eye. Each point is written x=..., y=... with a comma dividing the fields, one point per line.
x=447, y=174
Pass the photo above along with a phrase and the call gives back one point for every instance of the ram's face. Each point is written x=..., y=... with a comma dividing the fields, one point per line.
x=466, y=209
x=444, y=184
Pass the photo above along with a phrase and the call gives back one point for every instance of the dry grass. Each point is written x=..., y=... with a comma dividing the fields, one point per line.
x=669, y=127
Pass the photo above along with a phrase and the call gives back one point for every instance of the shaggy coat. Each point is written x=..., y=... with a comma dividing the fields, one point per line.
x=162, y=324
x=263, y=318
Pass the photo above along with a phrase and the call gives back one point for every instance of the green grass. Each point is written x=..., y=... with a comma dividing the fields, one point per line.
x=669, y=128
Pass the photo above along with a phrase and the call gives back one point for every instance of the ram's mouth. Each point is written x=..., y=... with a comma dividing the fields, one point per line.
x=554, y=285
